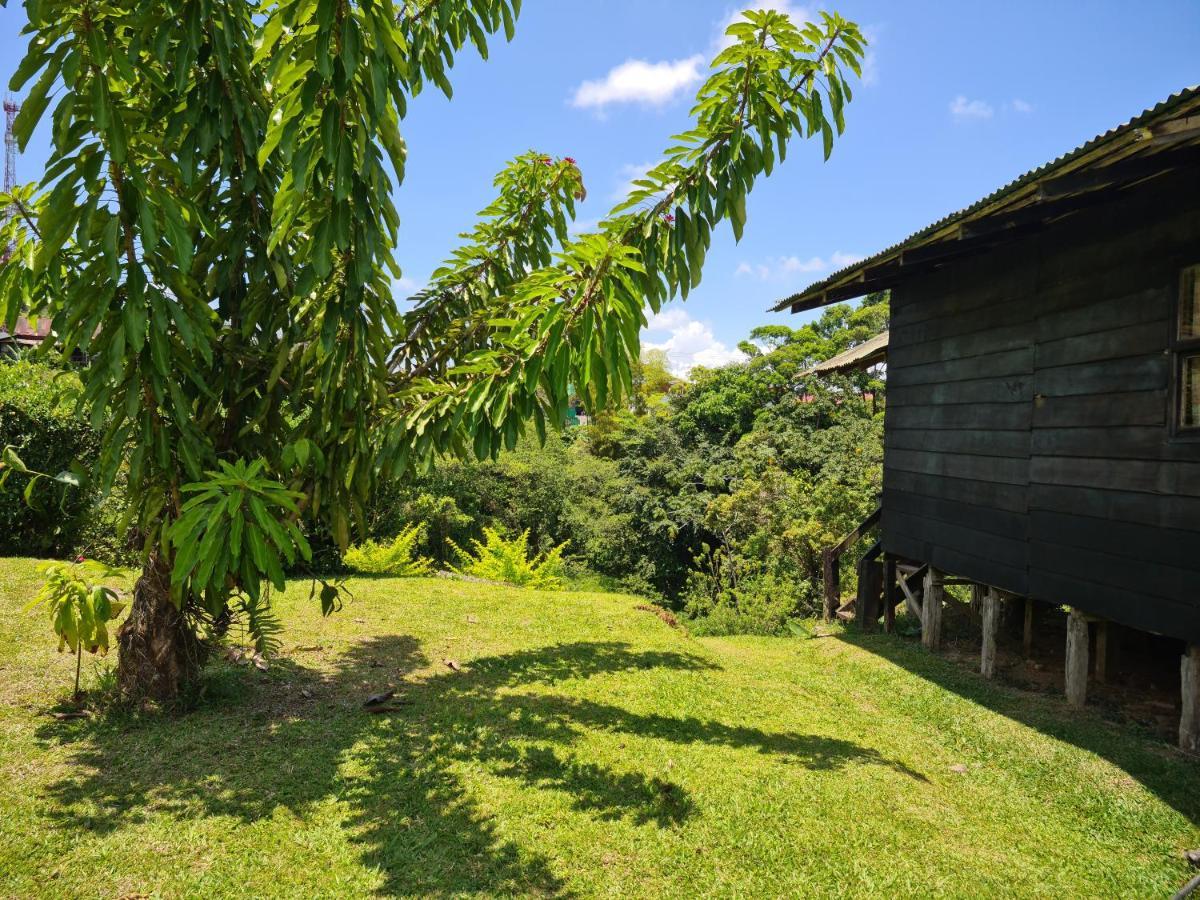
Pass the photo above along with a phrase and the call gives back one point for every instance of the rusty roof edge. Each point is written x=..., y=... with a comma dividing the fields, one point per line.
x=1114, y=135
x=873, y=345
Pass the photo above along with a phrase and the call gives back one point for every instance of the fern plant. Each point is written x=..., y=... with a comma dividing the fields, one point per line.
x=396, y=558
x=498, y=559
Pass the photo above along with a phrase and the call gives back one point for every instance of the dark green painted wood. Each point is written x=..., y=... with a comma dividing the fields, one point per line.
x=1003, y=416
x=1127, y=545
x=1027, y=440
x=1007, y=497
x=1112, y=410
x=970, y=441
x=1011, y=389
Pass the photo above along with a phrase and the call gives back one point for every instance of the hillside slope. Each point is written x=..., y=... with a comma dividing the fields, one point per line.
x=582, y=747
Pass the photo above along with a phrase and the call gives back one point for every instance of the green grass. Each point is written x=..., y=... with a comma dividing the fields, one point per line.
x=584, y=748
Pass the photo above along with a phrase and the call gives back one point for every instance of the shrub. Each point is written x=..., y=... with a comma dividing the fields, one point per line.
x=441, y=518
x=396, y=557
x=497, y=559
x=757, y=601
x=104, y=529
x=38, y=420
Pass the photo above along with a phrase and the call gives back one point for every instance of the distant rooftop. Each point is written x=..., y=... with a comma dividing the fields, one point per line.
x=861, y=356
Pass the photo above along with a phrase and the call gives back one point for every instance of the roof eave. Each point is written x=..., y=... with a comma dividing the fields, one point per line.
x=1057, y=188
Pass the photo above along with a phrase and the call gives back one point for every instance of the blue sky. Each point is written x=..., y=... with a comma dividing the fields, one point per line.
x=959, y=98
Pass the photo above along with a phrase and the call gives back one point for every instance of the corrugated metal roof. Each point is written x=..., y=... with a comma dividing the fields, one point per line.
x=861, y=356
x=1104, y=147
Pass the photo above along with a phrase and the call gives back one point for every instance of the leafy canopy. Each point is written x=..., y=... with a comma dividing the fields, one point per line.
x=215, y=229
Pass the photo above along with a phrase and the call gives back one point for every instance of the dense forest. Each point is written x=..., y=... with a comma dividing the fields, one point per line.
x=712, y=495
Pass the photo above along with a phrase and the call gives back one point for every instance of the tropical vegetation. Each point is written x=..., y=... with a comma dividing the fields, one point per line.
x=215, y=229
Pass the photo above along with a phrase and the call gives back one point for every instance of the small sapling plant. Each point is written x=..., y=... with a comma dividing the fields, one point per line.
x=80, y=605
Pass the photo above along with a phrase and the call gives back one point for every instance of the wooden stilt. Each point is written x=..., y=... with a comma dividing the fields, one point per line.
x=870, y=590
x=931, y=610
x=990, y=612
x=832, y=581
x=1027, y=638
x=1189, y=720
x=890, y=592
x=1101, y=665
x=1077, y=658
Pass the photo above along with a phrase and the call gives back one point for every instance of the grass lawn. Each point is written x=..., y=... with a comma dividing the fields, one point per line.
x=583, y=748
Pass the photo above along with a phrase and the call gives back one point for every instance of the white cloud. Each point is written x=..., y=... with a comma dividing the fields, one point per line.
x=658, y=83
x=963, y=109
x=404, y=287
x=638, y=81
x=840, y=260
x=687, y=342
x=870, y=63
x=1021, y=106
x=779, y=268
x=583, y=226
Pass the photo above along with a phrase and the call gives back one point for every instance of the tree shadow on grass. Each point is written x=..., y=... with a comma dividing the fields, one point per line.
x=1159, y=767
x=401, y=777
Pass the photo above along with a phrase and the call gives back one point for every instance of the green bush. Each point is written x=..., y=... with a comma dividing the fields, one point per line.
x=37, y=418
x=497, y=559
x=104, y=530
x=762, y=603
x=396, y=557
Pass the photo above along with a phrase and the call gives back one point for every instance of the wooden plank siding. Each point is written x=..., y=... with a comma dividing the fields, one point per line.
x=1027, y=429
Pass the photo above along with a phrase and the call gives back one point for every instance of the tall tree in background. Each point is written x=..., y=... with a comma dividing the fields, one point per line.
x=215, y=229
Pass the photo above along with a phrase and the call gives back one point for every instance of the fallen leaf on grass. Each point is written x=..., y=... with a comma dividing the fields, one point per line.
x=453, y=665
x=394, y=706
x=242, y=657
x=71, y=714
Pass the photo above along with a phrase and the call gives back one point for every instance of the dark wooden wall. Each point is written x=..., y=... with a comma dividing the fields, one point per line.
x=1028, y=443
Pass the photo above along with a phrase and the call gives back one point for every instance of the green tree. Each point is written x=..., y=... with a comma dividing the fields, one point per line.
x=215, y=228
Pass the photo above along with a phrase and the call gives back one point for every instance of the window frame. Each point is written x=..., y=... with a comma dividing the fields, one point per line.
x=1182, y=349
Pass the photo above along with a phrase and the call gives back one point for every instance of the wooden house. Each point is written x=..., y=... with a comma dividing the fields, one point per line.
x=1043, y=417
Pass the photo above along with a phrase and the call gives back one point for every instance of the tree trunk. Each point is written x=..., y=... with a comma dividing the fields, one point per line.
x=160, y=656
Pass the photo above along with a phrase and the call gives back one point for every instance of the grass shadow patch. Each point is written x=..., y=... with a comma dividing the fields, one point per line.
x=399, y=777
x=1157, y=766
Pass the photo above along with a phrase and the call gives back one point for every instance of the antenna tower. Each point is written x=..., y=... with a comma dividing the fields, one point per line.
x=11, y=108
